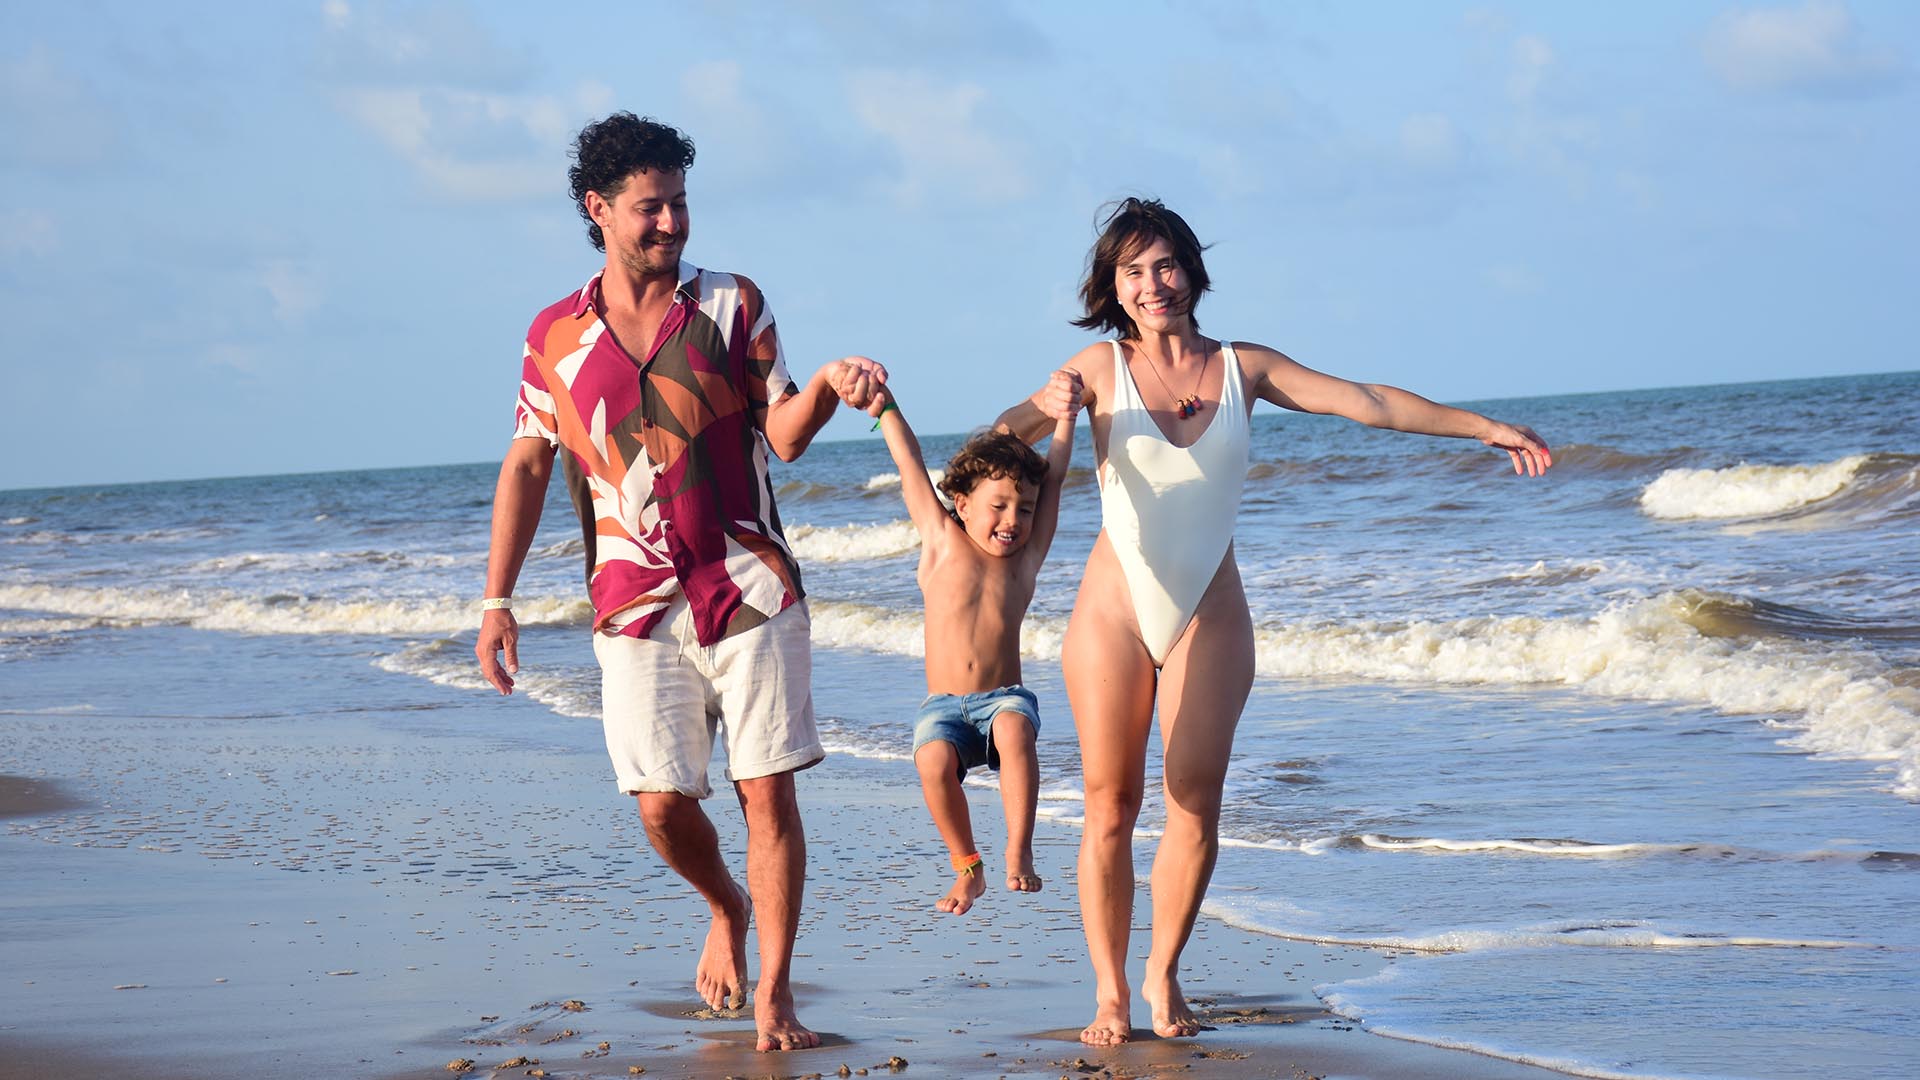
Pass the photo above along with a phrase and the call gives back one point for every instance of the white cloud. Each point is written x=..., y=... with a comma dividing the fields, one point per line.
x=295, y=289
x=51, y=116
x=1815, y=47
x=433, y=85
x=1515, y=278
x=245, y=359
x=437, y=43
x=471, y=145
x=1532, y=56
x=1430, y=141
x=28, y=232
x=944, y=151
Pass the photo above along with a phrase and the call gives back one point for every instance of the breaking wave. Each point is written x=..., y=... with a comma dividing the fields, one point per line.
x=1834, y=700
x=845, y=543
x=1861, y=487
x=219, y=609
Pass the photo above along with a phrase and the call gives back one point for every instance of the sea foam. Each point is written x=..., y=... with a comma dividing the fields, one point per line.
x=846, y=543
x=1269, y=918
x=219, y=609
x=1744, y=491
x=1835, y=700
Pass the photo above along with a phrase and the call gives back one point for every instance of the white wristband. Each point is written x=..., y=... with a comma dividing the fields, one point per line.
x=497, y=603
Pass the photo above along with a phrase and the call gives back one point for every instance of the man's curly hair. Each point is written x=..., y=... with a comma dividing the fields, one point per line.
x=989, y=455
x=609, y=151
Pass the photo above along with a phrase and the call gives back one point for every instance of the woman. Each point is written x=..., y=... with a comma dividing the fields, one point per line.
x=1161, y=619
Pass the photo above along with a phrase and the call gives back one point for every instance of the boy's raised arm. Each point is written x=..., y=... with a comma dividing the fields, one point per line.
x=1046, y=509
x=929, y=514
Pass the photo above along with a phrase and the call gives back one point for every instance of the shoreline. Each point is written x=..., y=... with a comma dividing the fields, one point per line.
x=417, y=876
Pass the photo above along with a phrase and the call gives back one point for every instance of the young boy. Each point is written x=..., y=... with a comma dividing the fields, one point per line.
x=977, y=569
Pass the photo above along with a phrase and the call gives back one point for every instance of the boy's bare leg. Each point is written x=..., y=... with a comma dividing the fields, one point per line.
x=680, y=831
x=939, y=765
x=1019, y=793
x=777, y=873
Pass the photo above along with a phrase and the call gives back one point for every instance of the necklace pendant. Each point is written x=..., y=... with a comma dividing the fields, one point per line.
x=1187, y=407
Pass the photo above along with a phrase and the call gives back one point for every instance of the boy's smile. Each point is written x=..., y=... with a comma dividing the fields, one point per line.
x=996, y=514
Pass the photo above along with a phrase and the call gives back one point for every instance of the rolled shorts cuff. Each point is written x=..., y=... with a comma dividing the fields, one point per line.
x=804, y=758
x=966, y=722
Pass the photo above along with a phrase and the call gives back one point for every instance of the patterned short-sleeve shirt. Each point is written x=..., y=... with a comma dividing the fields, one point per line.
x=665, y=454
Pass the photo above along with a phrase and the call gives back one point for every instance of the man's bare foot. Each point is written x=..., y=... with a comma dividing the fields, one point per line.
x=1172, y=1019
x=721, y=977
x=1020, y=875
x=779, y=1028
x=967, y=888
x=1112, y=1025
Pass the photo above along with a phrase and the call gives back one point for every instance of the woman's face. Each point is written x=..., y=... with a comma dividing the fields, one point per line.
x=1152, y=288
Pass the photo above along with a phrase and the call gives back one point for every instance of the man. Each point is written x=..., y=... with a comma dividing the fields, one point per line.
x=665, y=385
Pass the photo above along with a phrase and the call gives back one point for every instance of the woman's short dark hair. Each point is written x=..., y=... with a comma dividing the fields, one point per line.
x=609, y=151
x=989, y=455
x=1131, y=226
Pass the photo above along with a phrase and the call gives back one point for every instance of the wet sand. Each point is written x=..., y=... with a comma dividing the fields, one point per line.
x=410, y=878
x=22, y=796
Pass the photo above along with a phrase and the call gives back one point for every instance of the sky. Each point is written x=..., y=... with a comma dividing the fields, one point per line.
x=243, y=239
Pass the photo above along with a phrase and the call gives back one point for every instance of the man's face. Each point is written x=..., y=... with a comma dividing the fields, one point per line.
x=645, y=225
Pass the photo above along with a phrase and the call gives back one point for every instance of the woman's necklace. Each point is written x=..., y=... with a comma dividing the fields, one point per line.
x=1189, y=405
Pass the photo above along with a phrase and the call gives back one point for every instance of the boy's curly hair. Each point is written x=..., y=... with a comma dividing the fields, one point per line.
x=989, y=455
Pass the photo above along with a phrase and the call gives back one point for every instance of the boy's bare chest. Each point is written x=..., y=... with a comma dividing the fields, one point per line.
x=972, y=586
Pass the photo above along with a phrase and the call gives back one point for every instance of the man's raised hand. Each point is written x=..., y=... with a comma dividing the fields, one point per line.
x=856, y=379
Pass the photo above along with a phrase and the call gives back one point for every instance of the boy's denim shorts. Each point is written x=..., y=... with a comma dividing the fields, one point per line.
x=966, y=721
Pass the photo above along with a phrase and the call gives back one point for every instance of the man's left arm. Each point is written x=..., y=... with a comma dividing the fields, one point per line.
x=795, y=419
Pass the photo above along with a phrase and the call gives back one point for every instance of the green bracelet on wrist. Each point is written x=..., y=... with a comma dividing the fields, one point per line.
x=884, y=409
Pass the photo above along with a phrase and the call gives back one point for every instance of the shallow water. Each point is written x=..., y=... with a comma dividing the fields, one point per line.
x=1626, y=761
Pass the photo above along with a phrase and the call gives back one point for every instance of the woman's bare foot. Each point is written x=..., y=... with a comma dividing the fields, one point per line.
x=1172, y=1019
x=779, y=1028
x=967, y=887
x=1112, y=1025
x=721, y=977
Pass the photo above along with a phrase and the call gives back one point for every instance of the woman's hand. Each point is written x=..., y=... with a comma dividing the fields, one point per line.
x=1060, y=398
x=1527, y=449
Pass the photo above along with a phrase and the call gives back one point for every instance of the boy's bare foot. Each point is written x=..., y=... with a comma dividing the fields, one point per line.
x=1112, y=1025
x=721, y=977
x=1172, y=1019
x=967, y=888
x=779, y=1028
x=1020, y=875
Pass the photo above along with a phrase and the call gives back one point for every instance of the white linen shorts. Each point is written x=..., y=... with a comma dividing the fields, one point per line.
x=664, y=698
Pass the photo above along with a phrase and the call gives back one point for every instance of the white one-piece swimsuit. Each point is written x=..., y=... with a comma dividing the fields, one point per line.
x=1169, y=510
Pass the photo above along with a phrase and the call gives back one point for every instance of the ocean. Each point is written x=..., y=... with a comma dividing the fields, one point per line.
x=1617, y=771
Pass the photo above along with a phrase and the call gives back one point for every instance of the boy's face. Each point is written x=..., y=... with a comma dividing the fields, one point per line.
x=997, y=514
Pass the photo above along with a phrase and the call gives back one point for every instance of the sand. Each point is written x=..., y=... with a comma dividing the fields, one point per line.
x=409, y=878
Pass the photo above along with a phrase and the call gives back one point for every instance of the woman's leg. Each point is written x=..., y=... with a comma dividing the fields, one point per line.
x=1203, y=687
x=1110, y=686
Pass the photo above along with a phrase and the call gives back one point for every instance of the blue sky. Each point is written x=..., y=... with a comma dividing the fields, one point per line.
x=241, y=239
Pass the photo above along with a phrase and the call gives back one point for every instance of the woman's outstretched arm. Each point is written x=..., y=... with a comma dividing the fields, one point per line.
x=1281, y=380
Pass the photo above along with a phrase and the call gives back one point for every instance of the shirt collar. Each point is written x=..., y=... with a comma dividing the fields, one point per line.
x=583, y=301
